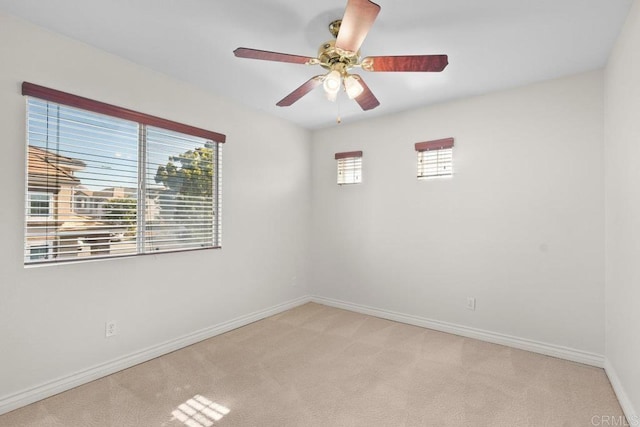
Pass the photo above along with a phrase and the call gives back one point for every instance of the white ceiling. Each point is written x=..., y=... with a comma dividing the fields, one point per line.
x=492, y=44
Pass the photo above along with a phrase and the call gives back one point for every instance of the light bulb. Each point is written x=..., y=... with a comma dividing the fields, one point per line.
x=353, y=87
x=332, y=82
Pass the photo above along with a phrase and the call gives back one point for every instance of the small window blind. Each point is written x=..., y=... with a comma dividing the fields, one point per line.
x=435, y=158
x=349, y=167
x=100, y=186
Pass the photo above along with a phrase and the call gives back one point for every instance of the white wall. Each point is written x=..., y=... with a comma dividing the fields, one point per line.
x=520, y=226
x=52, y=318
x=622, y=165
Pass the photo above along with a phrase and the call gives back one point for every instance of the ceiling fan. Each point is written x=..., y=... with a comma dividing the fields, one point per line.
x=339, y=56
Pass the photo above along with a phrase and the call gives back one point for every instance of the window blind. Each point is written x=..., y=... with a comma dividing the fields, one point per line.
x=349, y=167
x=435, y=158
x=87, y=163
x=101, y=186
x=182, y=195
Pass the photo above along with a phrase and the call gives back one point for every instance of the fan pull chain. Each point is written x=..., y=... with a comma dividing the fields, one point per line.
x=338, y=119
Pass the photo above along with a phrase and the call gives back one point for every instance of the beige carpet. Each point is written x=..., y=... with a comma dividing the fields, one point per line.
x=320, y=366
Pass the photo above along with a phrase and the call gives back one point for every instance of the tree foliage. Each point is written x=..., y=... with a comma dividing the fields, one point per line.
x=121, y=212
x=190, y=173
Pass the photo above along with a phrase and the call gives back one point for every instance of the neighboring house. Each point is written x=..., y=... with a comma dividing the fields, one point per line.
x=51, y=179
x=63, y=217
x=83, y=202
x=92, y=203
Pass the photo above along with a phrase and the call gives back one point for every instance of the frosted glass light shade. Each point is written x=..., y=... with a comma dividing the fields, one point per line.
x=353, y=87
x=332, y=82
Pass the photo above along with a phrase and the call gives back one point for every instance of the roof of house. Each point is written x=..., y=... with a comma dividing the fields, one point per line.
x=50, y=169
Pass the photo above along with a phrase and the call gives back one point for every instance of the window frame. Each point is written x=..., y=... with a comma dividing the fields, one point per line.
x=342, y=161
x=143, y=120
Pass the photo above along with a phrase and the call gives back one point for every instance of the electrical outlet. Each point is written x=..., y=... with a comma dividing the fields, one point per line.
x=110, y=329
x=471, y=303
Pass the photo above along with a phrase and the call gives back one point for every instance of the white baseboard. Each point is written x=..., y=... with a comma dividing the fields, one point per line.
x=633, y=417
x=50, y=388
x=465, y=331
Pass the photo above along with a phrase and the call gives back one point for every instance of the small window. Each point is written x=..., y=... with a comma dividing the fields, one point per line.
x=39, y=252
x=39, y=204
x=435, y=158
x=349, y=167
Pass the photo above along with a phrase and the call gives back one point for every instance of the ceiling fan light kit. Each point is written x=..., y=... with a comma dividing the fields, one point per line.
x=339, y=56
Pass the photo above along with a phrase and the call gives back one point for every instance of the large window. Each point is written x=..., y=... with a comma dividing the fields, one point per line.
x=349, y=166
x=103, y=181
x=435, y=158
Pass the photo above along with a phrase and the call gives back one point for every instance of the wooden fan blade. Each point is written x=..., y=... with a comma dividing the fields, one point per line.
x=243, y=52
x=306, y=87
x=366, y=99
x=356, y=23
x=405, y=63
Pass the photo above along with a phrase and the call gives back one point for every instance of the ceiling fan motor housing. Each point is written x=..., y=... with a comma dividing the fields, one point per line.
x=333, y=58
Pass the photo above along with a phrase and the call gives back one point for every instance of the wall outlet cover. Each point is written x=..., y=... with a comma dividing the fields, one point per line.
x=471, y=303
